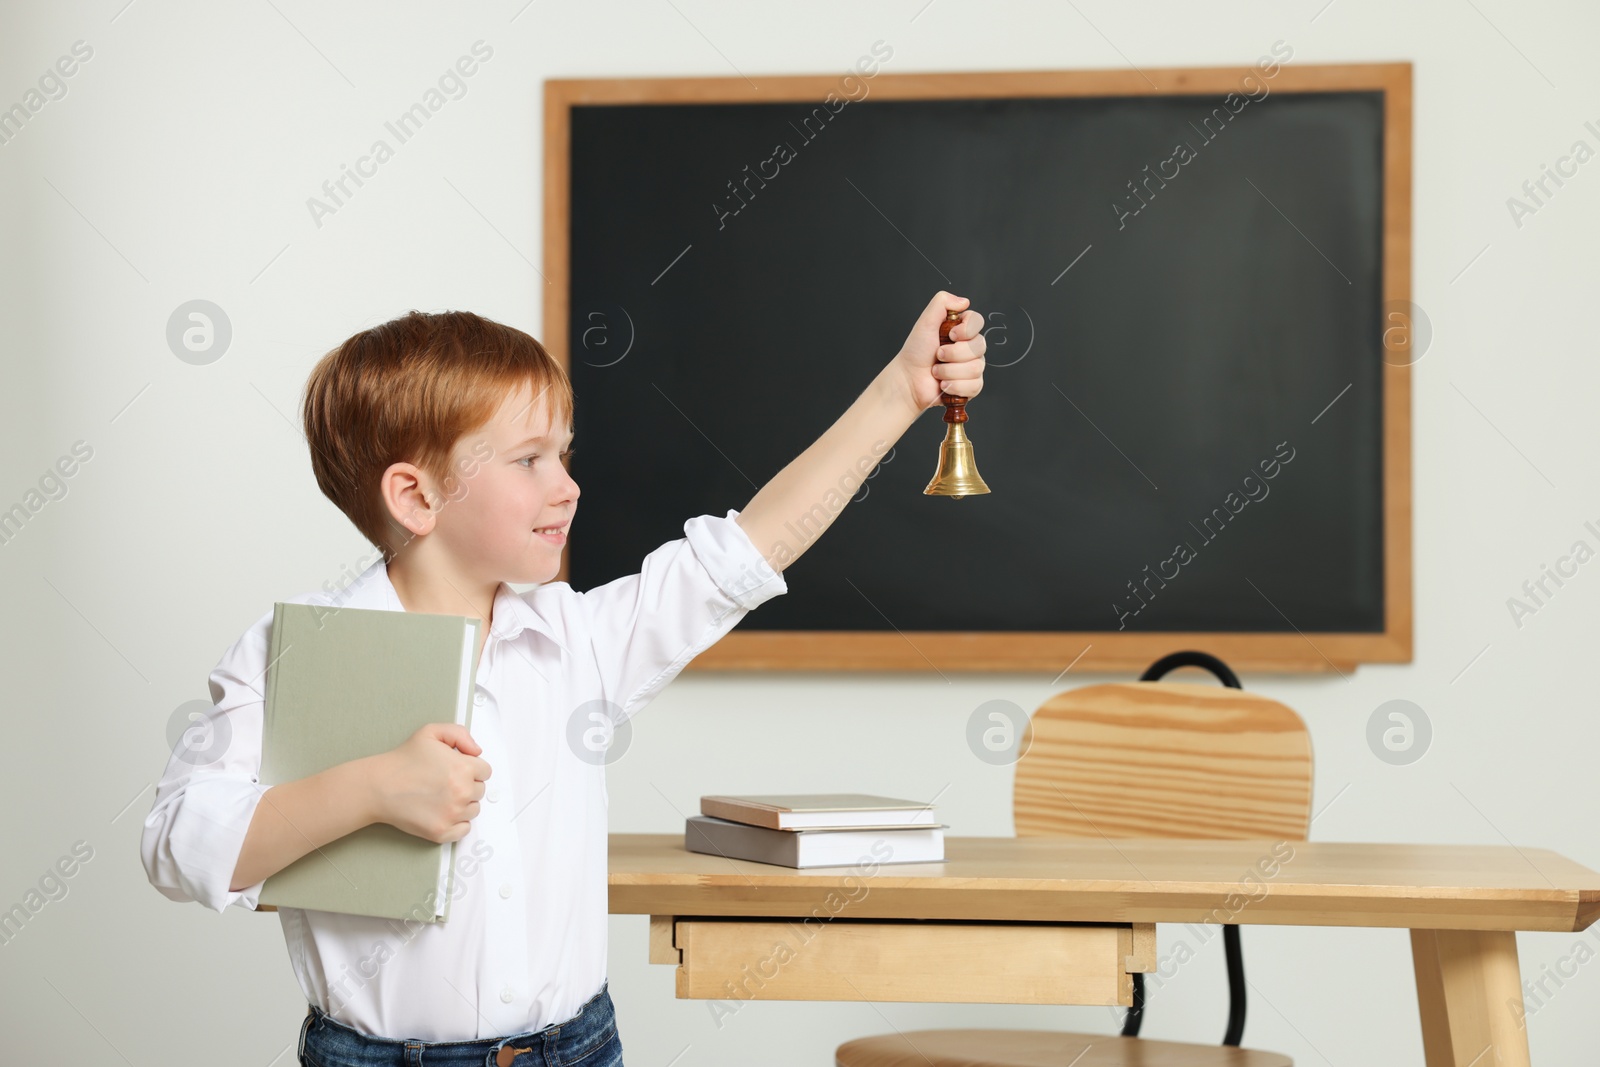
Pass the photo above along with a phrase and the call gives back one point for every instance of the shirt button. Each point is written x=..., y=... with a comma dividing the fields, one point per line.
x=478, y=697
x=505, y=890
x=492, y=795
x=506, y=994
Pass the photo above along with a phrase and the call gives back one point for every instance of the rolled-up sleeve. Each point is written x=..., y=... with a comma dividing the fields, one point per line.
x=208, y=794
x=689, y=592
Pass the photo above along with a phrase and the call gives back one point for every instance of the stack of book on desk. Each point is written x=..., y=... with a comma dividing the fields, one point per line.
x=816, y=830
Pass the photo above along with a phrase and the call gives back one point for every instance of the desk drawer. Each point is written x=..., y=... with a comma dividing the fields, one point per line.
x=904, y=960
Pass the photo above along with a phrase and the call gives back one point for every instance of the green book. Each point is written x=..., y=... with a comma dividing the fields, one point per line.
x=344, y=683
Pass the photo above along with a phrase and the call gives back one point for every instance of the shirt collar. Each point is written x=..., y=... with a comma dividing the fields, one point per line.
x=511, y=614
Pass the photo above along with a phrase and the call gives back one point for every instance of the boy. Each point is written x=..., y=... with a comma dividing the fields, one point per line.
x=444, y=439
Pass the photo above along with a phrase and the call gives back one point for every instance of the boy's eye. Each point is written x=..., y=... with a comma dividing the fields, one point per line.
x=566, y=457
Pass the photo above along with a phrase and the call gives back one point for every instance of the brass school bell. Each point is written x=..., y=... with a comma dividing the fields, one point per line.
x=957, y=475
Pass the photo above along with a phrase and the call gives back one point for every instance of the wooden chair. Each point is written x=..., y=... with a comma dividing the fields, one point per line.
x=1139, y=759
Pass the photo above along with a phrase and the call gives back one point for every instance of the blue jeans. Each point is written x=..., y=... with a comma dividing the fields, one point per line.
x=588, y=1039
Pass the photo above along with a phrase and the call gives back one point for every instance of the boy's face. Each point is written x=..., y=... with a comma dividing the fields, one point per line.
x=513, y=483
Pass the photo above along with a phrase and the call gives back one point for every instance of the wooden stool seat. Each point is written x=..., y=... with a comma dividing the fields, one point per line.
x=1039, y=1048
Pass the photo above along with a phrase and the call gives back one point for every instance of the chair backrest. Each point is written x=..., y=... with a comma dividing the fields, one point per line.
x=1164, y=759
x=1167, y=759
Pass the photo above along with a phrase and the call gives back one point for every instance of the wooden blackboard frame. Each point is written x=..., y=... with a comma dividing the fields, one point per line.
x=940, y=651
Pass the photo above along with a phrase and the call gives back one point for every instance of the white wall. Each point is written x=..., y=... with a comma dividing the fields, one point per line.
x=177, y=167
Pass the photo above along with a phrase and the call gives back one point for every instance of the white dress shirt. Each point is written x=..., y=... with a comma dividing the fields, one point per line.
x=525, y=943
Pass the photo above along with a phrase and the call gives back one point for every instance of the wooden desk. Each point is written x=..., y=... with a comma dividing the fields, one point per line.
x=1061, y=921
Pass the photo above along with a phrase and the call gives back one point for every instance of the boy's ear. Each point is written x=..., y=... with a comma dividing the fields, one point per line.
x=409, y=498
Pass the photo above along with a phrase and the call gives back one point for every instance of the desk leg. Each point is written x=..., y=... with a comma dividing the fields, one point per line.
x=1469, y=993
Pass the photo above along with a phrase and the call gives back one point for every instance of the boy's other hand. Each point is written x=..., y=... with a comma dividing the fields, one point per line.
x=429, y=786
x=932, y=369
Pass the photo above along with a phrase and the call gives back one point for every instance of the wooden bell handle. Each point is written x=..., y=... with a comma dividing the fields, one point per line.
x=955, y=407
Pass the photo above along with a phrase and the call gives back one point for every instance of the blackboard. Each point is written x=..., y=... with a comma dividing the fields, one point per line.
x=1185, y=351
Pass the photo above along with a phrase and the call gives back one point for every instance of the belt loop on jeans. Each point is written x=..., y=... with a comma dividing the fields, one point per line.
x=305, y=1025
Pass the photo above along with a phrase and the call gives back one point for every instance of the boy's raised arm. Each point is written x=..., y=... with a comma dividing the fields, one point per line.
x=800, y=496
